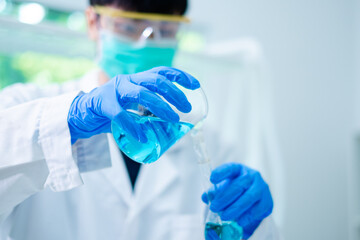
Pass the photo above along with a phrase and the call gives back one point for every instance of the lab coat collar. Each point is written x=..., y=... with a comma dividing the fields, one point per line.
x=118, y=176
x=153, y=179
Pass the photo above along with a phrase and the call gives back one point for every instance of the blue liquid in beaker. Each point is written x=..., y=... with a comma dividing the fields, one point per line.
x=223, y=231
x=161, y=136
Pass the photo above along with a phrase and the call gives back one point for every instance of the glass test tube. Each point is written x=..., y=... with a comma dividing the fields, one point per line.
x=204, y=164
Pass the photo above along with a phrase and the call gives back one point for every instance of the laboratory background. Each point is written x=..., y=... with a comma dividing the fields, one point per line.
x=300, y=58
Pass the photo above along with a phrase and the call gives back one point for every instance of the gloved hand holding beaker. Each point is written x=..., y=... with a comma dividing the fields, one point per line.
x=162, y=133
x=92, y=113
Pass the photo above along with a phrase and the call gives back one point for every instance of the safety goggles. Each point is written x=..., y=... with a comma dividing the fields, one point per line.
x=140, y=26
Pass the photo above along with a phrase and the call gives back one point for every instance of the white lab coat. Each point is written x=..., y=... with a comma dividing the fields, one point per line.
x=52, y=190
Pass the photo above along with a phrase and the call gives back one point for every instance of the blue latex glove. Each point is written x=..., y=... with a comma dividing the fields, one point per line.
x=92, y=113
x=241, y=195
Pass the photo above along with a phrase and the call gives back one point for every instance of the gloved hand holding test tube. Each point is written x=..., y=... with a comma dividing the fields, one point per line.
x=215, y=229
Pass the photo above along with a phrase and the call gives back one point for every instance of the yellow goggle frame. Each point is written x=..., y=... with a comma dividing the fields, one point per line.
x=114, y=13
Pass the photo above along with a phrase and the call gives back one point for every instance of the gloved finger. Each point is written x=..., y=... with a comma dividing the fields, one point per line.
x=211, y=234
x=167, y=89
x=263, y=208
x=225, y=171
x=176, y=75
x=103, y=127
x=249, y=229
x=205, y=198
x=213, y=191
x=208, y=196
x=97, y=125
x=128, y=124
x=245, y=202
x=106, y=109
x=150, y=101
x=157, y=106
x=229, y=193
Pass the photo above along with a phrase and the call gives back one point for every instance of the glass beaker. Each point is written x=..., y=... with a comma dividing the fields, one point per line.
x=161, y=134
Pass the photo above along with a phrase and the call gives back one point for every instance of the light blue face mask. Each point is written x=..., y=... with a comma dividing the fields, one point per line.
x=121, y=56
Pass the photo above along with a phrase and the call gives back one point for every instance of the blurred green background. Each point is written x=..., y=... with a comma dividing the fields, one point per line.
x=42, y=61
x=41, y=68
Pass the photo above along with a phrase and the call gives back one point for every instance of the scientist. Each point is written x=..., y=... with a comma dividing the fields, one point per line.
x=63, y=177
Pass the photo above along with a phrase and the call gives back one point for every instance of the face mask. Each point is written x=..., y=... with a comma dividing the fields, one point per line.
x=122, y=56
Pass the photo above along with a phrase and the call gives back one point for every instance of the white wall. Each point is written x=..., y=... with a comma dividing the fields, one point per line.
x=310, y=46
x=354, y=166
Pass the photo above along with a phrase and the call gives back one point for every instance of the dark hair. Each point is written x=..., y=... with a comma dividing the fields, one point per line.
x=147, y=6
